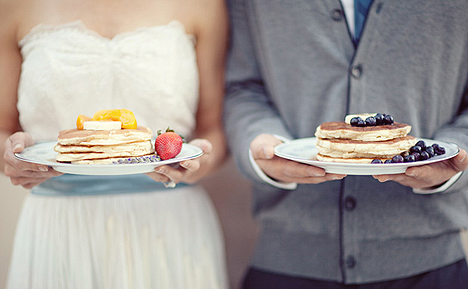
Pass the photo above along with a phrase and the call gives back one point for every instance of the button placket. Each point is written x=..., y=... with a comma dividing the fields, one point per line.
x=349, y=238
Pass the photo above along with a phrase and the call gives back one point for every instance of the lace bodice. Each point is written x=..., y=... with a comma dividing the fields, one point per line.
x=69, y=70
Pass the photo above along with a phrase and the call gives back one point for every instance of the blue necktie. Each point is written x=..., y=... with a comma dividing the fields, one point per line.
x=361, y=7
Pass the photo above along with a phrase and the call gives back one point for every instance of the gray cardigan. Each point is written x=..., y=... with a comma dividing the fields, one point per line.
x=292, y=66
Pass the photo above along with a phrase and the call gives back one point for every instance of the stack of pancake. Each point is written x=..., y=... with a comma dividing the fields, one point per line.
x=341, y=142
x=102, y=146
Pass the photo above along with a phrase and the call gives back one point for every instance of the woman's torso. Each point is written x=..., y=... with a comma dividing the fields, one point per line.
x=103, y=57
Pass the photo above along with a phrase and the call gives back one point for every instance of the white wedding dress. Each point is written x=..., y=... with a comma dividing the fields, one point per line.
x=97, y=232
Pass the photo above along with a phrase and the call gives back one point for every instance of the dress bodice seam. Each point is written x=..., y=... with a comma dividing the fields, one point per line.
x=41, y=30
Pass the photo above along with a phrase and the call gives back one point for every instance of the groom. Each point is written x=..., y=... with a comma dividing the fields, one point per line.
x=296, y=64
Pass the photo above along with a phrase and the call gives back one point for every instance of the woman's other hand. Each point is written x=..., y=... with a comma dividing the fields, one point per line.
x=189, y=171
x=22, y=173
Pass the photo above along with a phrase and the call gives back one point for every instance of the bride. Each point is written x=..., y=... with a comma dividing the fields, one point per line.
x=164, y=61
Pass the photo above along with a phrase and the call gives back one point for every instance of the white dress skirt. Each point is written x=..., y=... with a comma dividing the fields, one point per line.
x=167, y=238
x=122, y=231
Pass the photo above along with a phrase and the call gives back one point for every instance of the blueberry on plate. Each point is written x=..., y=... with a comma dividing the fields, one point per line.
x=376, y=161
x=430, y=151
x=398, y=159
x=417, y=156
x=421, y=144
x=389, y=161
x=424, y=156
x=415, y=149
x=410, y=159
x=438, y=150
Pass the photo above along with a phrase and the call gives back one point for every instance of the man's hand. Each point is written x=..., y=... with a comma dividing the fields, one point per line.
x=283, y=170
x=427, y=176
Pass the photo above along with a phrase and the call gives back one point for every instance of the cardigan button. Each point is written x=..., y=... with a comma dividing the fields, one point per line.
x=356, y=71
x=337, y=15
x=350, y=203
x=350, y=262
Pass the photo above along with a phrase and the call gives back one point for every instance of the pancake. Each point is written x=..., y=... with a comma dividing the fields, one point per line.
x=341, y=142
x=100, y=146
x=142, y=145
x=342, y=130
x=343, y=148
x=104, y=137
x=77, y=156
x=344, y=160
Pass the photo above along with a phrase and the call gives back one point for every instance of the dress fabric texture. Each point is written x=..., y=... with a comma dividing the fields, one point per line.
x=153, y=238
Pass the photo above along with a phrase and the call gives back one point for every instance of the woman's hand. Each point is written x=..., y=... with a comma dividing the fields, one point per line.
x=187, y=171
x=22, y=173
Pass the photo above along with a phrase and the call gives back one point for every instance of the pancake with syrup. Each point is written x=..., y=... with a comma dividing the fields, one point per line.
x=342, y=130
x=342, y=142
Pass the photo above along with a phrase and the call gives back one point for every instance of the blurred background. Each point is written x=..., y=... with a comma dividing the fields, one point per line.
x=230, y=192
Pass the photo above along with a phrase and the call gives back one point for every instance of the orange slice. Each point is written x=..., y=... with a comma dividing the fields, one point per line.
x=125, y=116
x=81, y=120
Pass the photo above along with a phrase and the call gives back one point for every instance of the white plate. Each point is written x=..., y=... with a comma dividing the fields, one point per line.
x=44, y=154
x=304, y=151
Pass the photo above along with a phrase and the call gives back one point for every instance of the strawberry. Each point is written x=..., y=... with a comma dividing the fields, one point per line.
x=168, y=144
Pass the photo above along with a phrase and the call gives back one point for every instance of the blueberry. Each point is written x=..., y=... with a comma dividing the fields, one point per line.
x=389, y=161
x=388, y=119
x=422, y=144
x=410, y=159
x=417, y=156
x=379, y=118
x=438, y=150
x=430, y=151
x=361, y=123
x=424, y=156
x=370, y=121
x=376, y=161
x=354, y=121
x=415, y=149
x=397, y=159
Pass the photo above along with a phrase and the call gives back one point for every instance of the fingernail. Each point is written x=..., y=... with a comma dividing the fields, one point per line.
x=462, y=160
x=317, y=174
x=412, y=173
x=266, y=153
x=17, y=146
x=43, y=169
x=338, y=177
x=160, y=170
